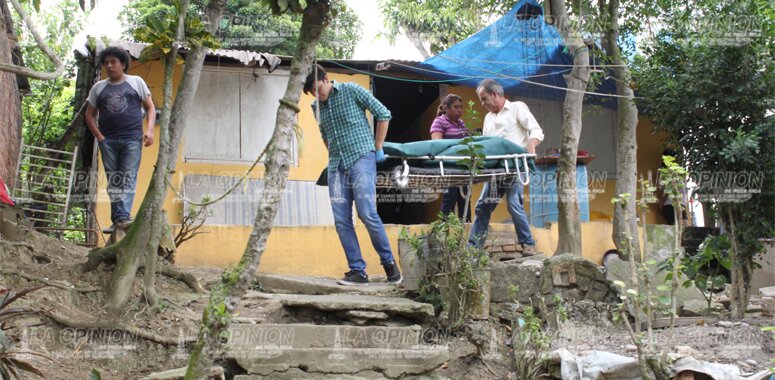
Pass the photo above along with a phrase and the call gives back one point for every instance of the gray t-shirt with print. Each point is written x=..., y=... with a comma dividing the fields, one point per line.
x=120, y=106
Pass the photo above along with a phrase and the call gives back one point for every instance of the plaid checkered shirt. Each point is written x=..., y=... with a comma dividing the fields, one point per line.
x=343, y=123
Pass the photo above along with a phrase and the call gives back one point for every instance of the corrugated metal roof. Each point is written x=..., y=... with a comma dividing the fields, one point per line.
x=246, y=57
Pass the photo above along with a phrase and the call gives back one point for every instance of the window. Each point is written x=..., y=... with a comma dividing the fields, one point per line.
x=233, y=115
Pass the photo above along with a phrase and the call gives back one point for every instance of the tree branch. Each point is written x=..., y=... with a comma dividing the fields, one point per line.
x=47, y=281
x=187, y=278
x=20, y=70
x=82, y=323
x=97, y=256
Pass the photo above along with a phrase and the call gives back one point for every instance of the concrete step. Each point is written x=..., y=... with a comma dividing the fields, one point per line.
x=295, y=373
x=246, y=337
x=292, y=284
x=274, y=349
x=343, y=303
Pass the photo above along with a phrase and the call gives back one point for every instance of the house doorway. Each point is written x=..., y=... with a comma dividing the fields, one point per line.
x=409, y=102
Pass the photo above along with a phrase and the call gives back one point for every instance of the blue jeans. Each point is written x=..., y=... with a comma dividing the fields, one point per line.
x=454, y=196
x=489, y=201
x=121, y=158
x=358, y=184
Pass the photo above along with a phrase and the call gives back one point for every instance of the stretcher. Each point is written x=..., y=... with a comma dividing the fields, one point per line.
x=438, y=164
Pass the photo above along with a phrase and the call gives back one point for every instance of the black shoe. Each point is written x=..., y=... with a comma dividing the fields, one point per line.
x=393, y=274
x=354, y=277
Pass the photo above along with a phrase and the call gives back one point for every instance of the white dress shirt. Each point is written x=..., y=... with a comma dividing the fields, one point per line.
x=515, y=123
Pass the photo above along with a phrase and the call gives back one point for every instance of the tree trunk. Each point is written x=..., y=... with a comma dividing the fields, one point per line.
x=569, y=223
x=626, y=143
x=227, y=295
x=414, y=36
x=10, y=105
x=742, y=270
x=142, y=240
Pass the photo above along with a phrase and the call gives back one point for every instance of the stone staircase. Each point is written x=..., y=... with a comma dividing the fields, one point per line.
x=312, y=328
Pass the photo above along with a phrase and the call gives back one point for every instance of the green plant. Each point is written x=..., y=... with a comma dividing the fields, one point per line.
x=530, y=343
x=459, y=265
x=638, y=297
x=770, y=328
x=191, y=222
x=471, y=118
x=11, y=362
x=704, y=270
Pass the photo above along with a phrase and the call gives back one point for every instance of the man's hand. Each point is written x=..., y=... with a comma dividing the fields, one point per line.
x=380, y=155
x=148, y=138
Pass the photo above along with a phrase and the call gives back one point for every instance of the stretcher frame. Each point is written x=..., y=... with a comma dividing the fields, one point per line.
x=412, y=177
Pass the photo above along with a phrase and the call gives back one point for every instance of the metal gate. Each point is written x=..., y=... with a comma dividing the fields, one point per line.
x=45, y=179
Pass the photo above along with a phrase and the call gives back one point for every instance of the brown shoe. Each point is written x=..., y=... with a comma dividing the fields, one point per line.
x=528, y=250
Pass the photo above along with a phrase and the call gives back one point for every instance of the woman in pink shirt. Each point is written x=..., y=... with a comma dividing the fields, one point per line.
x=448, y=125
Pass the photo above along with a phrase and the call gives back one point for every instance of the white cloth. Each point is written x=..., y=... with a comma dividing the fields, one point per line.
x=513, y=122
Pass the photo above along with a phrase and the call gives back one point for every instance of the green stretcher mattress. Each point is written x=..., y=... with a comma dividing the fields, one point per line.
x=437, y=163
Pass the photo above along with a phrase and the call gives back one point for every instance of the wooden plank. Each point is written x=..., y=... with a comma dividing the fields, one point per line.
x=664, y=322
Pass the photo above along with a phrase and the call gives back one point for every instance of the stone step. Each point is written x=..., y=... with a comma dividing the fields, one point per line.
x=246, y=337
x=295, y=373
x=292, y=284
x=279, y=351
x=391, y=362
x=338, y=303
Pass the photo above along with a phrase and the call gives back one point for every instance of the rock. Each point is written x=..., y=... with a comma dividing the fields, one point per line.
x=619, y=270
x=768, y=306
x=574, y=277
x=631, y=348
x=363, y=314
x=697, y=308
x=334, y=303
x=767, y=292
x=686, y=351
x=754, y=308
x=504, y=275
x=293, y=284
x=743, y=365
x=725, y=324
x=216, y=373
x=752, y=362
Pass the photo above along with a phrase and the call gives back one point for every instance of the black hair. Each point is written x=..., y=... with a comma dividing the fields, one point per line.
x=115, y=51
x=310, y=83
x=446, y=103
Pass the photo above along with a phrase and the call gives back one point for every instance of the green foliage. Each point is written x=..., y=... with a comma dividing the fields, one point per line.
x=95, y=375
x=704, y=269
x=48, y=109
x=254, y=25
x=441, y=23
x=160, y=30
x=721, y=125
x=770, y=328
x=459, y=264
x=472, y=119
x=531, y=343
x=475, y=155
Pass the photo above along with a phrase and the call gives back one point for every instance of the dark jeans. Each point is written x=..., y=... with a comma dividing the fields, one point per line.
x=121, y=158
x=454, y=197
x=489, y=201
x=358, y=186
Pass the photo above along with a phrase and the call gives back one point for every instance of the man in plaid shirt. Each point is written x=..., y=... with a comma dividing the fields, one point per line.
x=353, y=153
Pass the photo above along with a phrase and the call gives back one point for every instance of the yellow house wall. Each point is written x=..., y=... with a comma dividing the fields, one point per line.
x=315, y=250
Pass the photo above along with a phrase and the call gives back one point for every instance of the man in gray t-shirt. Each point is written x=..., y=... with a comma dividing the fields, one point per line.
x=119, y=101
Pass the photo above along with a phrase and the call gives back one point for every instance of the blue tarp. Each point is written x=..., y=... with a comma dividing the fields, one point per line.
x=520, y=50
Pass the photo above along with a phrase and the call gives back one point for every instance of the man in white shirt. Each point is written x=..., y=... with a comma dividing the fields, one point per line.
x=514, y=122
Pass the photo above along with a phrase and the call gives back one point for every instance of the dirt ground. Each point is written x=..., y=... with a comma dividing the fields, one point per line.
x=72, y=353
